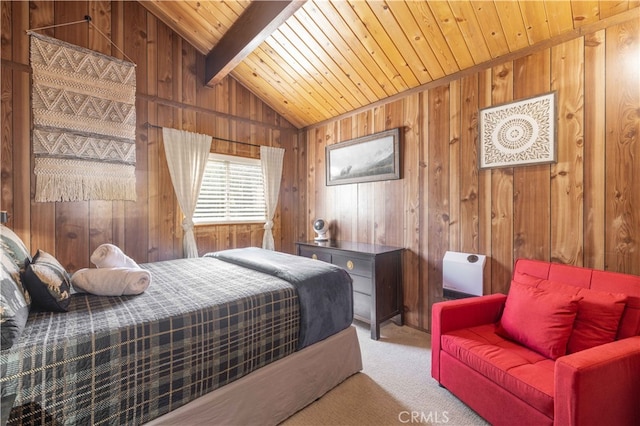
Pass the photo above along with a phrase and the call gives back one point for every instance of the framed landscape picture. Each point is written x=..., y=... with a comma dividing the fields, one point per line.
x=366, y=159
x=518, y=133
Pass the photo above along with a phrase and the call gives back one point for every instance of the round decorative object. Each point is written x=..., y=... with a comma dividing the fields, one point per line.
x=515, y=134
x=321, y=227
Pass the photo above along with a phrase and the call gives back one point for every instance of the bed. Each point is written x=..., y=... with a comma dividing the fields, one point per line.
x=244, y=336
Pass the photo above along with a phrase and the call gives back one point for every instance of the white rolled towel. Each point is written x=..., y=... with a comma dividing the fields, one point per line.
x=111, y=281
x=110, y=256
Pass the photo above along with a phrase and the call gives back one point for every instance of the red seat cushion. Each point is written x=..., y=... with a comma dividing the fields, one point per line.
x=521, y=371
x=540, y=320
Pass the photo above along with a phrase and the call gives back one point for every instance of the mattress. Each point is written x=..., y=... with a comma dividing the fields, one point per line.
x=202, y=324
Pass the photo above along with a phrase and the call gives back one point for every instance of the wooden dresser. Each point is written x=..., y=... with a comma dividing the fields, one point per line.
x=376, y=271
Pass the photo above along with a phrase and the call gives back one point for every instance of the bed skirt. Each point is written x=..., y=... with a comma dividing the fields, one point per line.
x=273, y=393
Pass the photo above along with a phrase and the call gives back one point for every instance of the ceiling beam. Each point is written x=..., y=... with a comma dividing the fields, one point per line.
x=255, y=25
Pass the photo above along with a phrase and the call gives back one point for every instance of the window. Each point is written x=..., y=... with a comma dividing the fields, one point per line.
x=231, y=191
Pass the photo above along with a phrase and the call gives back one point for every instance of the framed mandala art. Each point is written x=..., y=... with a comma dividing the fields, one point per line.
x=518, y=133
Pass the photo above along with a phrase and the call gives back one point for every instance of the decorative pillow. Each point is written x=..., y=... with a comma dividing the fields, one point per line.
x=527, y=279
x=47, y=282
x=13, y=246
x=558, y=287
x=539, y=320
x=598, y=318
x=14, y=303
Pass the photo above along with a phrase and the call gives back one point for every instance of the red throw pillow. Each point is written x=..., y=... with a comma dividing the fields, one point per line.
x=597, y=320
x=540, y=320
x=521, y=278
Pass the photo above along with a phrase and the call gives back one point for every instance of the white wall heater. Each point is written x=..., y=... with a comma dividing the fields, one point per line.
x=462, y=274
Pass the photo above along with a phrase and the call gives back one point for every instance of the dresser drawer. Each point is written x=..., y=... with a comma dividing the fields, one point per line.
x=353, y=265
x=361, y=284
x=362, y=306
x=315, y=254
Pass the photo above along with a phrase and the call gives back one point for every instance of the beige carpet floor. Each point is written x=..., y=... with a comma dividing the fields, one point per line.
x=394, y=388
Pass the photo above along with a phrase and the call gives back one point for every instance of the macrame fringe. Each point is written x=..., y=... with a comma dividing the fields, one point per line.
x=82, y=188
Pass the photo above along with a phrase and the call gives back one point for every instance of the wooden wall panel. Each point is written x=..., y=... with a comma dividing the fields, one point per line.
x=424, y=285
x=502, y=221
x=567, y=175
x=167, y=117
x=454, y=159
x=531, y=184
x=379, y=230
x=411, y=148
x=438, y=170
x=131, y=219
x=485, y=197
x=43, y=215
x=21, y=129
x=6, y=146
x=328, y=196
x=101, y=220
x=468, y=161
x=153, y=135
x=348, y=193
x=365, y=206
x=72, y=219
x=118, y=206
x=622, y=148
x=6, y=113
x=393, y=208
x=594, y=150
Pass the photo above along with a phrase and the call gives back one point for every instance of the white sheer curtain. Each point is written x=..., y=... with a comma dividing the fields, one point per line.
x=271, y=159
x=187, y=155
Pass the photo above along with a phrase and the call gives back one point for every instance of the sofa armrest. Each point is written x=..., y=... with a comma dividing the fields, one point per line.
x=461, y=313
x=599, y=385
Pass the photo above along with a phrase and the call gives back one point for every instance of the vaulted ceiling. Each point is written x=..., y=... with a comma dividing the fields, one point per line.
x=319, y=59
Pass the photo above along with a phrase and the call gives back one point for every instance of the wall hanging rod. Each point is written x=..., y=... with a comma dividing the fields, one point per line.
x=87, y=19
x=213, y=137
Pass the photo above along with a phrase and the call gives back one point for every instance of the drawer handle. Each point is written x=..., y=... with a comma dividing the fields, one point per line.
x=349, y=265
x=314, y=256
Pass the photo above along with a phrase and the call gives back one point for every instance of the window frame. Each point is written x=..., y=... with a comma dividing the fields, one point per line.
x=236, y=159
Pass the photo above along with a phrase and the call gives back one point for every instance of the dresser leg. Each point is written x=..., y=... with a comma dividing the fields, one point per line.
x=399, y=319
x=375, y=330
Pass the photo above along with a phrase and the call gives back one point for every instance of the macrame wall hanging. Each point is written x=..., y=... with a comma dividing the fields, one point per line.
x=84, y=123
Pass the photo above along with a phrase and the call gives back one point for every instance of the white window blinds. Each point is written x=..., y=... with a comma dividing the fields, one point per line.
x=231, y=191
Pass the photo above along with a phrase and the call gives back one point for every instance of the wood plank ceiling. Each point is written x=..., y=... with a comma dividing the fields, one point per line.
x=333, y=57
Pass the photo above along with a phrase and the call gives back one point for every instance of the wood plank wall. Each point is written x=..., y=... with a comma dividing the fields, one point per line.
x=170, y=93
x=584, y=210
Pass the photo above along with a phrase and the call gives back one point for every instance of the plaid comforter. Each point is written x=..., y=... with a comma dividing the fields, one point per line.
x=201, y=324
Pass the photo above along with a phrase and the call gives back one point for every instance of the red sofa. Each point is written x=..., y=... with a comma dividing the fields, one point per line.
x=563, y=348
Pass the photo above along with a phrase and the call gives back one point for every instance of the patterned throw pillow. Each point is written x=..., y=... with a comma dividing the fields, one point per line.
x=48, y=282
x=14, y=300
x=14, y=303
x=13, y=246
